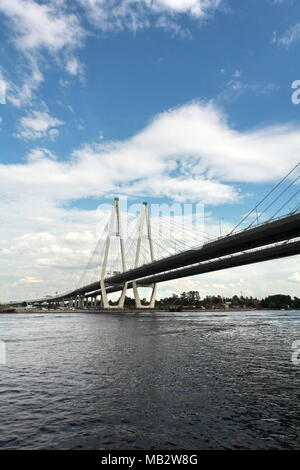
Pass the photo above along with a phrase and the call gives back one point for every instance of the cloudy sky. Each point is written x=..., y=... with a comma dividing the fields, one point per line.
x=170, y=101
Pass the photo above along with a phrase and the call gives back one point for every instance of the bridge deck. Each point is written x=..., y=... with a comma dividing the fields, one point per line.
x=283, y=229
x=265, y=234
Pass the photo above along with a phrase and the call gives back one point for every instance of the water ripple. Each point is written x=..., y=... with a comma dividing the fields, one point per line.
x=150, y=381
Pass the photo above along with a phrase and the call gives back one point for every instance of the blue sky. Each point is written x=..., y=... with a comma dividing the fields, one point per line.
x=164, y=100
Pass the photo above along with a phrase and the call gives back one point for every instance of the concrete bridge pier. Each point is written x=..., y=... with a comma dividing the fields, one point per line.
x=144, y=224
x=114, y=230
x=137, y=298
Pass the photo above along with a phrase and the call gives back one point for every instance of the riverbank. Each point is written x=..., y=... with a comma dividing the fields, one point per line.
x=133, y=310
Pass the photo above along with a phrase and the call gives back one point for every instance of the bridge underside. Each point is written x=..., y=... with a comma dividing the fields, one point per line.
x=279, y=251
x=261, y=255
x=266, y=234
x=265, y=242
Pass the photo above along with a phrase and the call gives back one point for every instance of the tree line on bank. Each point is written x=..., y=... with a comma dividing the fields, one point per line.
x=193, y=299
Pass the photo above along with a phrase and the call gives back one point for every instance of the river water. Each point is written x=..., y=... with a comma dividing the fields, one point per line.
x=150, y=381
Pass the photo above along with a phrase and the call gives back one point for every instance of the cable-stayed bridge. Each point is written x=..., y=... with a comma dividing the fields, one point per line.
x=144, y=260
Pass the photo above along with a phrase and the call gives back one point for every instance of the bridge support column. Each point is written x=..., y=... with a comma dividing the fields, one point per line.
x=138, y=303
x=144, y=222
x=114, y=230
x=81, y=301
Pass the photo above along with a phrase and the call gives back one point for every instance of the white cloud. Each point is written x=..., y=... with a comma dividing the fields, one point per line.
x=235, y=88
x=218, y=286
x=188, y=153
x=38, y=154
x=44, y=255
x=168, y=24
x=39, y=124
x=75, y=237
x=295, y=277
x=236, y=74
x=36, y=237
x=21, y=95
x=30, y=280
x=138, y=14
x=39, y=25
x=291, y=36
x=36, y=27
x=197, y=8
x=73, y=66
x=3, y=88
x=53, y=27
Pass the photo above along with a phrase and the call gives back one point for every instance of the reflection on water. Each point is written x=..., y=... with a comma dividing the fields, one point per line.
x=150, y=381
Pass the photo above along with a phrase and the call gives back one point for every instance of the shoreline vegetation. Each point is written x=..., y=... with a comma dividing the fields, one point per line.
x=187, y=301
x=138, y=310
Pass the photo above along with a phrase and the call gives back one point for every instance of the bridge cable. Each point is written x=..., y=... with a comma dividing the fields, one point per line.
x=276, y=199
x=292, y=197
x=265, y=197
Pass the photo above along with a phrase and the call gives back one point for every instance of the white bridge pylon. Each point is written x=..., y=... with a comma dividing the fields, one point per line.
x=144, y=225
x=115, y=232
